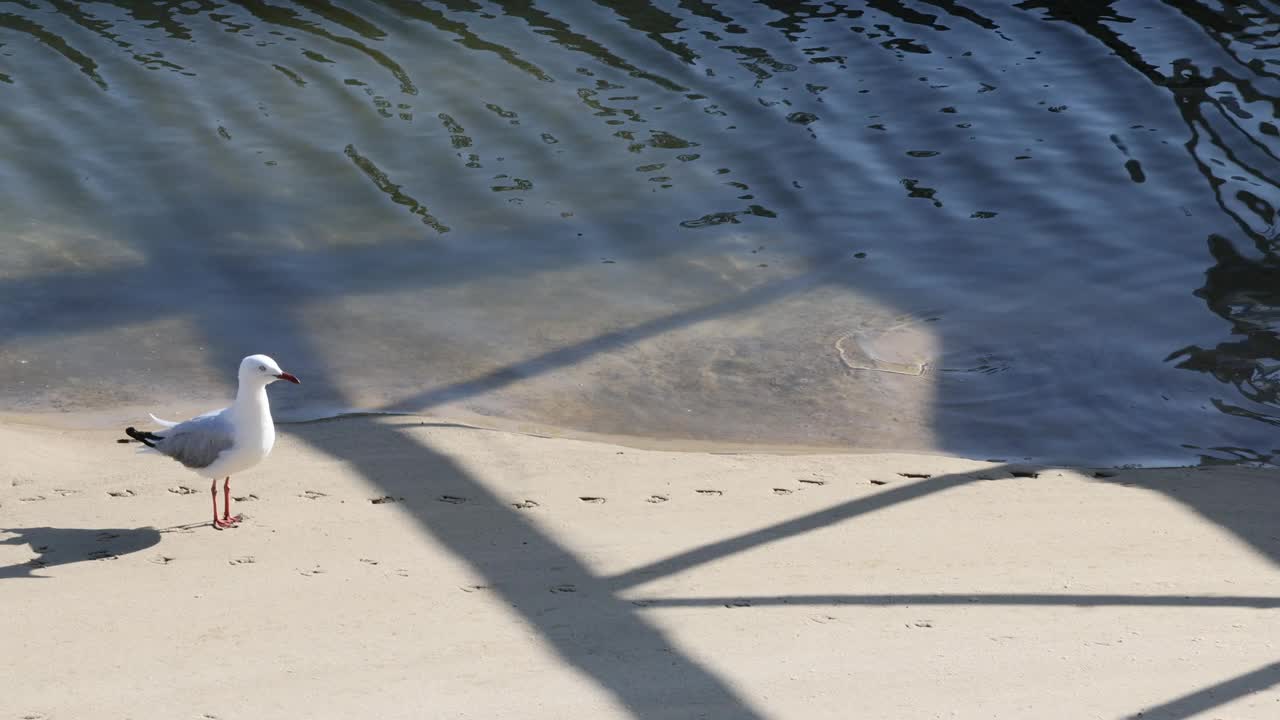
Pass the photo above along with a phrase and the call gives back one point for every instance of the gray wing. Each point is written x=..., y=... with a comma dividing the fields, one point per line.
x=197, y=442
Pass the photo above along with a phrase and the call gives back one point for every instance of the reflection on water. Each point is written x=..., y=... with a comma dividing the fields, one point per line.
x=1246, y=293
x=970, y=227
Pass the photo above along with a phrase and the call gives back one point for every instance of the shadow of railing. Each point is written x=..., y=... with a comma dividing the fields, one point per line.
x=1206, y=699
x=602, y=635
x=966, y=599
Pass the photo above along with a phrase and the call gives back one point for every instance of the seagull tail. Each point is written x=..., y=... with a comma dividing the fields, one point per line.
x=166, y=423
x=143, y=437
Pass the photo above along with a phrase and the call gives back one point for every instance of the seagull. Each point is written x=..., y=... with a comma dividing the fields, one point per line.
x=227, y=441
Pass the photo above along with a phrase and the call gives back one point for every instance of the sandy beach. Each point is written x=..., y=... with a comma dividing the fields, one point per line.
x=398, y=567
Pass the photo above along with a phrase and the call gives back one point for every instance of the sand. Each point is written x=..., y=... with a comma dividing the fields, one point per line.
x=398, y=567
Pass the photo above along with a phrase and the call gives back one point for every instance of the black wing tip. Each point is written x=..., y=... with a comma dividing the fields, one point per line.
x=143, y=437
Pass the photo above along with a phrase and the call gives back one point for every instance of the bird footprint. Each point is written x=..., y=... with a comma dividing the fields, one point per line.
x=657, y=499
x=312, y=494
x=592, y=499
x=242, y=560
x=120, y=493
x=183, y=490
x=710, y=492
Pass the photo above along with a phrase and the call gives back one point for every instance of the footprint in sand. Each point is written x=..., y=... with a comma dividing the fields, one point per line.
x=384, y=500
x=161, y=559
x=31, y=498
x=808, y=481
x=472, y=588
x=101, y=555
x=738, y=603
x=917, y=476
x=592, y=499
x=710, y=493
x=312, y=494
x=657, y=499
x=879, y=482
x=242, y=560
x=525, y=504
x=564, y=588
x=244, y=498
x=65, y=492
x=367, y=561
x=106, y=535
x=781, y=491
x=452, y=499
x=317, y=570
x=120, y=493
x=184, y=490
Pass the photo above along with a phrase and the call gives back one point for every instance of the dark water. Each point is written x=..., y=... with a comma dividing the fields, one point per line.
x=1043, y=229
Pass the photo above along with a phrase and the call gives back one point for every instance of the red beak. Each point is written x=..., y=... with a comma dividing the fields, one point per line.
x=290, y=378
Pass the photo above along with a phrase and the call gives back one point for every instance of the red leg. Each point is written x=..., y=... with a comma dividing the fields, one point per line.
x=226, y=503
x=226, y=520
x=214, y=490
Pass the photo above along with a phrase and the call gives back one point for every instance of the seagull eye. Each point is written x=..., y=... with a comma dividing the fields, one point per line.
x=263, y=368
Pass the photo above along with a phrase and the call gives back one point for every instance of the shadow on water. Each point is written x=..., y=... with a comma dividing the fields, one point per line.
x=62, y=546
x=608, y=640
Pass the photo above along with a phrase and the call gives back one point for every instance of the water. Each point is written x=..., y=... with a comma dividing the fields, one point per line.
x=1039, y=230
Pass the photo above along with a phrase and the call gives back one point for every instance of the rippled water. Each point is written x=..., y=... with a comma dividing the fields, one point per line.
x=1043, y=229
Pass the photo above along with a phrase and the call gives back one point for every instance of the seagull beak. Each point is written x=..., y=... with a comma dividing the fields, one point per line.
x=290, y=378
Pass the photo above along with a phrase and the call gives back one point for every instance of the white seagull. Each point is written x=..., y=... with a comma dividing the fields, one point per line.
x=227, y=441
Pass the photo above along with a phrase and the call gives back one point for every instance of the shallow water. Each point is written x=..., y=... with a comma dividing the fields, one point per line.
x=1039, y=230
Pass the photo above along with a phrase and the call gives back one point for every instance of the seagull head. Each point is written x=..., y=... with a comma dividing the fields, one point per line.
x=260, y=368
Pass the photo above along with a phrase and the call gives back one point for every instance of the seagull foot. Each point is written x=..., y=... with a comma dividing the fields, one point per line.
x=226, y=522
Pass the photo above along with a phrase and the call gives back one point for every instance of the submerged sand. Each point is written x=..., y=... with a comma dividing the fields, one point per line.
x=401, y=568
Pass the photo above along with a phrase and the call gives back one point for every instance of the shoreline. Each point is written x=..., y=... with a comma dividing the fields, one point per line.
x=115, y=420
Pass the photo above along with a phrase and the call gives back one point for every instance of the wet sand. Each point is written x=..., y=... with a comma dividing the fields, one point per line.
x=399, y=567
